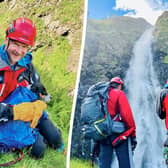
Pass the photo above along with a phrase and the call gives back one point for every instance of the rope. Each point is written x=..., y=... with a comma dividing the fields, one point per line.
x=13, y=161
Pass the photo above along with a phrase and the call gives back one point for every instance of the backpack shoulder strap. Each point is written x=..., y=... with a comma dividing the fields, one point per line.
x=104, y=97
x=162, y=94
x=105, y=107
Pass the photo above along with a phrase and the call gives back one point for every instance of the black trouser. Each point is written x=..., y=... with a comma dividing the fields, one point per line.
x=38, y=148
x=123, y=153
x=50, y=134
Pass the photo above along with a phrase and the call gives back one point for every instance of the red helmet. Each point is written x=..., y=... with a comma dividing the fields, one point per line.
x=22, y=30
x=117, y=80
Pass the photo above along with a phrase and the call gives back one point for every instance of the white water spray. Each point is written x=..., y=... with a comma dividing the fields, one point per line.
x=143, y=86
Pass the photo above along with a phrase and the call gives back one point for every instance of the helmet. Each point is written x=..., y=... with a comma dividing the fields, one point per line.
x=117, y=80
x=22, y=30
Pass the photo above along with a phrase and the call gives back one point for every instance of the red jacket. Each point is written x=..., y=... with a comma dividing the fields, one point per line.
x=118, y=104
x=165, y=108
x=21, y=75
x=9, y=81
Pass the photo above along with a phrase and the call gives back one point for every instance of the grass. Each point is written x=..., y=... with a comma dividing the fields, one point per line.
x=165, y=59
x=69, y=11
x=52, y=159
x=52, y=66
x=79, y=163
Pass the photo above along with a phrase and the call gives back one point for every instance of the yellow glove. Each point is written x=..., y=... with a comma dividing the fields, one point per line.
x=39, y=107
x=29, y=111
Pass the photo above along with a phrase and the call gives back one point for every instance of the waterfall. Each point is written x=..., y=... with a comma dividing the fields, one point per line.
x=142, y=87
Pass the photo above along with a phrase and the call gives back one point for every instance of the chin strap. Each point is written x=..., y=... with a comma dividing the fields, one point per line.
x=6, y=47
x=20, y=156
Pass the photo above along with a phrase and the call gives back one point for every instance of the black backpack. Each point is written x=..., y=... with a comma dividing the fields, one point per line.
x=160, y=98
x=95, y=118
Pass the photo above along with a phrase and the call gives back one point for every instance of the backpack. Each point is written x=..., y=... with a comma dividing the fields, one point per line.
x=159, y=108
x=95, y=118
x=15, y=135
x=18, y=134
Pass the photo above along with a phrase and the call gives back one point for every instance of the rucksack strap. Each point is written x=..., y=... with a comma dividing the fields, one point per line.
x=15, y=160
x=104, y=107
x=159, y=108
x=117, y=115
x=102, y=104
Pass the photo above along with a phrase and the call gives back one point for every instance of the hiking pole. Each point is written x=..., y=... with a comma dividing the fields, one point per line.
x=95, y=151
x=91, y=152
x=13, y=161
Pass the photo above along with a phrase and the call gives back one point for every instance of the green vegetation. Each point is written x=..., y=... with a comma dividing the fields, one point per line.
x=165, y=59
x=52, y=159
x=66, y=11
x=78, y=163
x=51, y=58
x=161, y=35
x=108, y=43
x=51, y=63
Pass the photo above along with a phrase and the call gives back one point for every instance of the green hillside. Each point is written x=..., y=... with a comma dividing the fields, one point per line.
x=55, y=56
x=160, y=47
x=161, y=33
x=109, y=44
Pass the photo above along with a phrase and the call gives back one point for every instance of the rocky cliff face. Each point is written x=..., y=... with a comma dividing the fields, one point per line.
x=160, y=47
x=108, y=44
x=108, y=49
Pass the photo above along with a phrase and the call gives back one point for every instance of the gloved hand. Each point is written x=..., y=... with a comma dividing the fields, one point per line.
x=133, y=143
x=6, y=112
x=29, y=111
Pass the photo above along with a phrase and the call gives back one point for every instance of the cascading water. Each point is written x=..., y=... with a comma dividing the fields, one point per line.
x=143, y=86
